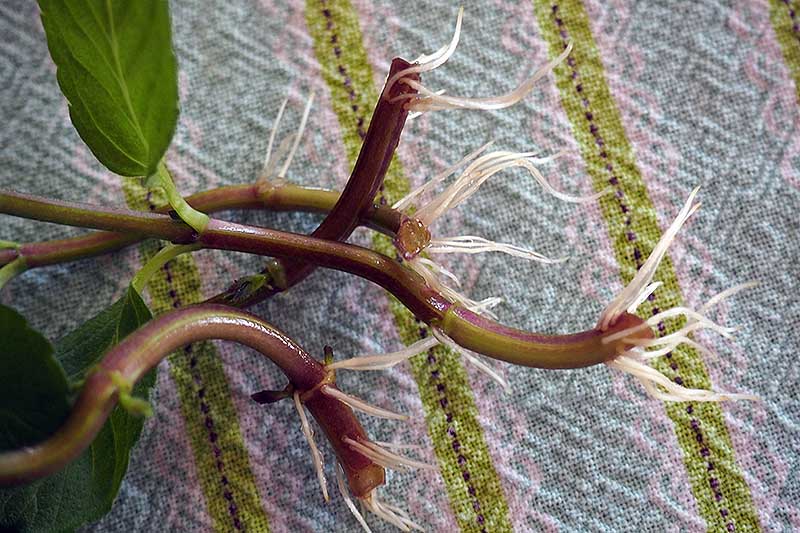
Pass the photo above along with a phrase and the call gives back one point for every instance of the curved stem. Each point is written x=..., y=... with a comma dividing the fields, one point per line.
x=11, y=269
x=163, y=179
x=471, y=331
x=369, y=171
x=7, y=255
x=132, y=358
x=165, y=255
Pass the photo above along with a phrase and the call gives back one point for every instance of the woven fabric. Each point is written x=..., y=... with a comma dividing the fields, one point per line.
x=655, y=99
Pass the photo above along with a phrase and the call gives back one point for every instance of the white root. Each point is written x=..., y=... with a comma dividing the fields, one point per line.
x=476, y=174
x=652, y=379
x=641, y=281
x=360, y=405
x=348, y=500
x=383, y=361
x=482, y=307
x=428, y=100
x=390, y=513
x=316, y=455
x=271, y=161
x=386, y=458
x=470, y=244
x=431, y=183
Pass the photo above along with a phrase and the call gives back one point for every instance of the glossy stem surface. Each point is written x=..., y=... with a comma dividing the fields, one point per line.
x=469, y=330
x=576, y=350
x=278, y=197
x=132, y=358
x=369, y=171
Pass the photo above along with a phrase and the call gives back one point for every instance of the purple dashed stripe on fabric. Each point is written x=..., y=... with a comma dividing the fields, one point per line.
x=793, y=16
x=342, y=70
x=613, y=180
x=335, y=43
x=444, y=403
x=201, y=393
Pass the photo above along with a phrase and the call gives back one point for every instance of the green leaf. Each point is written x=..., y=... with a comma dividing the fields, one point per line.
x=85, y=490
x=84, y=347
x=34, y=393
x=117, y=70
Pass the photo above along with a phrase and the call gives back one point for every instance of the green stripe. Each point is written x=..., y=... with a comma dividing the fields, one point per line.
x=463, y=448
x=782, y=21
x=219, y=451
x=708, y=452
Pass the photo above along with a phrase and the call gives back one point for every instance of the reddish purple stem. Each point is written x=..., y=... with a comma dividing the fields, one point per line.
x=380, y=143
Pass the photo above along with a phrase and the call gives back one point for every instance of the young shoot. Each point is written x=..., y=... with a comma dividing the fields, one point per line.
x=12, y=269
x=157, y=262
x=162, y=180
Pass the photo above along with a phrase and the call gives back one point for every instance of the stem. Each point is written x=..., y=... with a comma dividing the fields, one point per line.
x=58, y=251
x=369, y=171
x=577, y=350
x=7, y=255
x=186, y=212
x=467, y=329
x=277, y=197
x=97, y=217
x=12, y=269
x=132, y=358
x=164, y=256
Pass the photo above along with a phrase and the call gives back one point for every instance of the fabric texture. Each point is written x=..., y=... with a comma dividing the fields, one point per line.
x=655, y=99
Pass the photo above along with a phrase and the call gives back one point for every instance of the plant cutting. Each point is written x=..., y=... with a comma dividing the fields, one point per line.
x=117, y=70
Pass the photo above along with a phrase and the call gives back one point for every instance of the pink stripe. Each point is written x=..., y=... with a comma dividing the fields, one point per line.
x=286, y=480
x=765, y=470
x=290, y=496
x=168, y=454
x=657, y=159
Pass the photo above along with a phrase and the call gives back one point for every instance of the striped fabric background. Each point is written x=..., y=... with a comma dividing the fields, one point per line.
x=656, y=98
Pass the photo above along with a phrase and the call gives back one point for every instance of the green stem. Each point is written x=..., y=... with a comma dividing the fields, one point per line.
x=164, y=256
x=9, y=245
x=275, y=196
x=162, y=179
x=87, y=216
x=12, y=269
